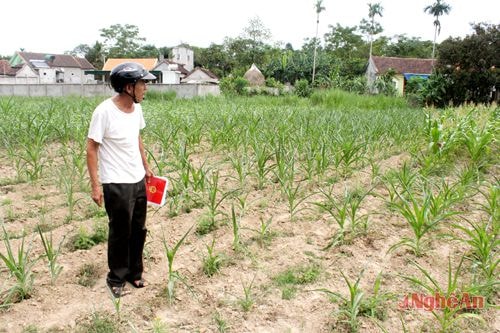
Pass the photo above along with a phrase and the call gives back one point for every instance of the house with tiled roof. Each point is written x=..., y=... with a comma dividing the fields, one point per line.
x=6, y=70
x=201, y=75
x=44, y=68
x=166, y=71
x=170, y=72
x=148, y=63
x=403, y=69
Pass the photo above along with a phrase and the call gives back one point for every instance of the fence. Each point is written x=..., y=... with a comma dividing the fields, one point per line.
x=90, y=90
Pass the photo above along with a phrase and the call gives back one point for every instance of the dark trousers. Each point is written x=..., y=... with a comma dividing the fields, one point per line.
x=126, y=207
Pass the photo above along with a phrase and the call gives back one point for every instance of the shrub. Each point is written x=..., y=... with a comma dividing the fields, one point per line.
x=271, y=82
x=233, y=85
x=302, y=88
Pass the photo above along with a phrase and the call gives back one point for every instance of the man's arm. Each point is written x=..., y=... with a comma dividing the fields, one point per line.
x=92, y=149
x=149, y=173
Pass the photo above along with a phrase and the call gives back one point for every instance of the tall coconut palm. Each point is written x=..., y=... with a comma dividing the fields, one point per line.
x=374, y=9
x=319, y=9
x=437, y=9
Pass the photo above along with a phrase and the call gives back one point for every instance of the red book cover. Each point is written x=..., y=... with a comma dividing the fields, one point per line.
x=156, y=190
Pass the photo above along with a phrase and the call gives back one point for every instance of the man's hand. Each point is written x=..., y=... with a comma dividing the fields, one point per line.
x=149, y=174
x=97, y=195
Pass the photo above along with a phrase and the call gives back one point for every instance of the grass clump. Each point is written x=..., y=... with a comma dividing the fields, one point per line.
x=288, y=280
x=88, y=275
x=84, y=240
x=98, y=322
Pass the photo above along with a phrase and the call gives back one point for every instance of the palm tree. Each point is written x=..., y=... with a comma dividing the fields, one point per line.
x=319, y=9
x=373, y=10
x=437, y=9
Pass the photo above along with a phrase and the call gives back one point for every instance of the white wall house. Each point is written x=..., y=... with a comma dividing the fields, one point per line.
x=41, y=68
x=183, y=56
x=171, y=72
x=23, y=75
x=201, y=76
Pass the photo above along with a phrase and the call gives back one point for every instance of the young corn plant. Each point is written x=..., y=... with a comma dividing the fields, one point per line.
x=173, y=276
x=214, y=201
x=20, y=266
x=117, y=302
x=447, y=317
x=52, y=254
x=375, y=170
x=492, y=205
x=484, y=243
x=293, y=197
x=212, y=262
x=345, y=212
x=307, y=162
x=284, y=167
x=322, y=158
x=477, y=142
x=243, y=202
x=436, y=135
x=350, y=306
x=339, y=212
x=198, y=177
x=33, y=152
x=68, y=186
x=222, y=325
x=74, y=157
x=398, y=181
x=445, y=198
x=247, y=301
x=236, y=230
x=242, y=165
x=420, y=217
x=375, y=304
x=351, y=154
x=261, y=157
x=264, y=234
x=159, y=159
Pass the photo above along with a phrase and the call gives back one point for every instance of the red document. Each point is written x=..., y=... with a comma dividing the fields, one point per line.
x=156, y=190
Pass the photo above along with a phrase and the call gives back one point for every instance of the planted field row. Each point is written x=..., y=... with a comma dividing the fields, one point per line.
x=376, y=201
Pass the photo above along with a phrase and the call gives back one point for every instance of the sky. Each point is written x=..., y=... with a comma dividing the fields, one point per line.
x=57, y=26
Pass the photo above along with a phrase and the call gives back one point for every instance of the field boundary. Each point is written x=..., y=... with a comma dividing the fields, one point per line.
x=91, y=90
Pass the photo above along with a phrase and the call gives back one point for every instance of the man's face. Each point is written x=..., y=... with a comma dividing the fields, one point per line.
x=139, y=90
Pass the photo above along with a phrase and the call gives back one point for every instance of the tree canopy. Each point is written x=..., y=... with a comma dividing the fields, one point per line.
x=469, y=66
x=339, y=59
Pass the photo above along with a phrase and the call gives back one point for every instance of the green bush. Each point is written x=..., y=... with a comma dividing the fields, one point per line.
x=302, y=88
x=239, y=85
x=414, y=91
x=271, y=82
x=233, y=85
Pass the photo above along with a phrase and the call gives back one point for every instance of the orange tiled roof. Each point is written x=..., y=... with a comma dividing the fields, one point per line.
x=148, y=63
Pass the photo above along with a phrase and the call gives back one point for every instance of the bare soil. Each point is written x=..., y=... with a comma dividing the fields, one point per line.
x=67, y=306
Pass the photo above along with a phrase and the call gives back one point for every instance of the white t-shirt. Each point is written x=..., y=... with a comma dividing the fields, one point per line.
x=117, y=132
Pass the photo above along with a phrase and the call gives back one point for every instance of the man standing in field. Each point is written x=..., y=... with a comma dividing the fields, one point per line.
x=116, y=159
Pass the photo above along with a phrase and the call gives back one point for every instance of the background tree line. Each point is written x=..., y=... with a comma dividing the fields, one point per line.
x=466, y=69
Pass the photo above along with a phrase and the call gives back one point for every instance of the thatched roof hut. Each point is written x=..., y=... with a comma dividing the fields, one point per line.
x=255, y=77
